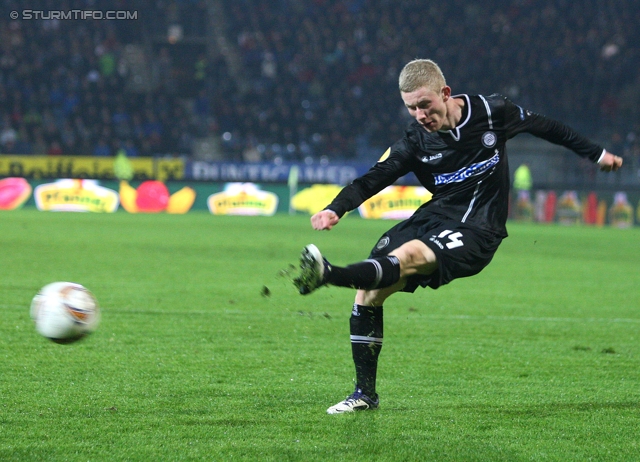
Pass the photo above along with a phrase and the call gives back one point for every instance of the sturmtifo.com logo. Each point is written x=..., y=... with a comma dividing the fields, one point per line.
x=111, y=15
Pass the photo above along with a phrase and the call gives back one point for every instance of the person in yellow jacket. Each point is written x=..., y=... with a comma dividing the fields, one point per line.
x=522, y=183
x=522, y=180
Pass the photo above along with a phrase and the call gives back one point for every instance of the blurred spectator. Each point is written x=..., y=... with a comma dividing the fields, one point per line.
x=54, y=149
x=522, y=180
x=8, y=136
x=130, y=149
x=102, y=148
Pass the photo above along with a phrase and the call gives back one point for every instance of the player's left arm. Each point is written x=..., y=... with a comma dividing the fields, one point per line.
x=518, y=120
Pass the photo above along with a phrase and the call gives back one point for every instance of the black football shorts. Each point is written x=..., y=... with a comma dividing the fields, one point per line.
x=461, y=251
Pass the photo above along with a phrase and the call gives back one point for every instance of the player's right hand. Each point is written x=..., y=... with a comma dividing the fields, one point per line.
x=324, y=219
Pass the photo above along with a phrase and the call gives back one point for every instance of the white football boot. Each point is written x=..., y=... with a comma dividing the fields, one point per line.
x=357, y=401
x=312, y=270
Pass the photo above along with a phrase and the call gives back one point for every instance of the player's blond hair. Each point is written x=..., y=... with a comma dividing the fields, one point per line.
x=421, y=73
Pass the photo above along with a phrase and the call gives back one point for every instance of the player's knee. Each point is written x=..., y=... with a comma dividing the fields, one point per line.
x=368, y=298
x=415, y=258
x=376, y=297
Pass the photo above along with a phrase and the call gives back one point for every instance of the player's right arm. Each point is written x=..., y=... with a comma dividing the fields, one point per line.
x=393, y=164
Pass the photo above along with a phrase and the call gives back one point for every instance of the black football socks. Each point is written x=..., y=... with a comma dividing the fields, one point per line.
x=366, y=342
x=374, y=273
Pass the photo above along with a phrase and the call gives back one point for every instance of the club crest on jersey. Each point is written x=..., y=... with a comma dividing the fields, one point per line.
x=382, y=243
x=489, y=139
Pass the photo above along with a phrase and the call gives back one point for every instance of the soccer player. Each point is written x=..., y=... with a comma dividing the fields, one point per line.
x=456, y=149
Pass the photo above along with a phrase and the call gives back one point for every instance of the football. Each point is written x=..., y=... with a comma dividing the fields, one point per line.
x=65, y=312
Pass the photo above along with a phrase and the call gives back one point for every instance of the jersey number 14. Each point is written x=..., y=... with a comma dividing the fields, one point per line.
x=454, y=239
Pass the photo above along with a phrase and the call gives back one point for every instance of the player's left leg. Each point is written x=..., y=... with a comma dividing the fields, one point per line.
x=443, y=254
x=366, y=327
x=376, y=278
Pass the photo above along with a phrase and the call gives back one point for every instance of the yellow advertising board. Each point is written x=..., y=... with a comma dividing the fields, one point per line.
x=243, y=199
x=621, y=211
x=395, y=202
x=36, y=167
x=569, y=209
x=315, y=198
x=75, y=196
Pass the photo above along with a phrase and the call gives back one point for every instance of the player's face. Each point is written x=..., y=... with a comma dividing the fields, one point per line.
x=428, y=107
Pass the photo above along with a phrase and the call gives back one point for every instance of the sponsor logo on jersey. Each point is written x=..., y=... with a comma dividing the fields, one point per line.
x=426, y=159
x=467, y=172
x=436, y=242
x=489, y=139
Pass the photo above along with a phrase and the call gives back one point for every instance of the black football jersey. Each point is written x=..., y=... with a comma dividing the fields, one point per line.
x=465, y=168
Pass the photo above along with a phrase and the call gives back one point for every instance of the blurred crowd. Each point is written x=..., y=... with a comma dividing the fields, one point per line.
x=306, y=78
x=326, y=71
x=63, y=87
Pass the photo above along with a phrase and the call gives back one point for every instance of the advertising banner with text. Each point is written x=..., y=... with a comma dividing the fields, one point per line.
x=340, y=173
x=87, y=167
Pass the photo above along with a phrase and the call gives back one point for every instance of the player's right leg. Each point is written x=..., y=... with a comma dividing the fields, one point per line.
x=316, y=271
x=412, y=257
x=313, y=270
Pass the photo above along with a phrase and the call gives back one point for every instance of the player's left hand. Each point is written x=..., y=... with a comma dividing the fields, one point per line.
x=610, y=162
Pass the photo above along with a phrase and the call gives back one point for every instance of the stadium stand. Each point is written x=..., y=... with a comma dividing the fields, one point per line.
x=300, y=79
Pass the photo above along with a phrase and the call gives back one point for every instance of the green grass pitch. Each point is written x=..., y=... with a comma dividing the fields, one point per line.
x=206, y=352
